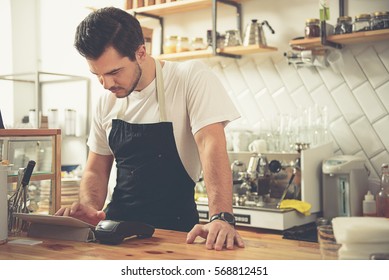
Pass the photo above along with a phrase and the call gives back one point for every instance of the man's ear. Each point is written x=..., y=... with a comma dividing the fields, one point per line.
x=140, y=53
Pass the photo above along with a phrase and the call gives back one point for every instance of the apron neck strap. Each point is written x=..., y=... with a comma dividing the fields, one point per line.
x=160, y=91
x=160, y=95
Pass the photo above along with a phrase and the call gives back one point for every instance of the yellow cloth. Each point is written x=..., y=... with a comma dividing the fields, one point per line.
x=301, y=206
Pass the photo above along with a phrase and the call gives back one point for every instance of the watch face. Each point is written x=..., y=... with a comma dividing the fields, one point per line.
x=229, y=218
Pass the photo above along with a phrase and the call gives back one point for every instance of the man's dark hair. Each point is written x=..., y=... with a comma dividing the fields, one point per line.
x=108, y=27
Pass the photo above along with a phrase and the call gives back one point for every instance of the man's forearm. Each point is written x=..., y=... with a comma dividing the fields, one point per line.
x=216, y=168
x=93, y=190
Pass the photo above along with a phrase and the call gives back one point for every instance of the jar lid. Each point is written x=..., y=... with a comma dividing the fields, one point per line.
x=183, y=39
x=362, y=17
x=173, y=37
x=198, y=39
x=344, y=18
x=313, y=20
x=378, y=14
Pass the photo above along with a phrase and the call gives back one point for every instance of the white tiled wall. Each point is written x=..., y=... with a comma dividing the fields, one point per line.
x=357, y=98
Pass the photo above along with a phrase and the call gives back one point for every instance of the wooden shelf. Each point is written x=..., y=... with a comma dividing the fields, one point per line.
x=176, y=7
x=360, y=37
x=344, y=39
x=238, y=50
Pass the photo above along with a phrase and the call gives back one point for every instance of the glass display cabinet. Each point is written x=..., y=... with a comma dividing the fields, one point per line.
x=18, y=147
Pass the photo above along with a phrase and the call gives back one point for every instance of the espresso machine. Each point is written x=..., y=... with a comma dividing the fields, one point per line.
x=345, y=182
x=262, y=180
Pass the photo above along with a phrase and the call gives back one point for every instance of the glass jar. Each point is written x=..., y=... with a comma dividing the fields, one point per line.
x=198, y=44
x=344, y=25
x=183, y=44
x=312, y=28
x=382, y=197
x=380, y=20
x=170, y=45
x=362, y=23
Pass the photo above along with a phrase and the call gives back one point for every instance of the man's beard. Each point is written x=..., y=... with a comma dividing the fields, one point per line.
x=137, y=74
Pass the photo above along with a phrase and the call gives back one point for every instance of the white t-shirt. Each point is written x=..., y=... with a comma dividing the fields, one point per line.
x=194, y=98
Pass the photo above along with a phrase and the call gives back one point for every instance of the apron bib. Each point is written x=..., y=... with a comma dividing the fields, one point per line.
x=152, y=185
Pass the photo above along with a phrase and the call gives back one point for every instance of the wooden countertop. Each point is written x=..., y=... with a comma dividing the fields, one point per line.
x=164, y=245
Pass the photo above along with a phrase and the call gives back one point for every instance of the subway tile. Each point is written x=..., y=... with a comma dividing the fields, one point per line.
x=235, y=77
x=331, y=79
x=367, y=137
x=322, y=97
x=249, y=105
x=302, y=98
x=352, y=72
x=384, y=56
x=382, y=129
x=289, y=75
x=270, y=75
x=310, y=77
x=266, y=104
x=369, y=102
x=344, y=137
x=373, y=68
x=251, y=76
x=378, y=160
x=347, y=103
x=381, y=46
x=284, y=102
x=383, y=94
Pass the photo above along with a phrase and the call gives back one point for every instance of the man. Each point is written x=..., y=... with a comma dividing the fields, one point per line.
x=162, y=122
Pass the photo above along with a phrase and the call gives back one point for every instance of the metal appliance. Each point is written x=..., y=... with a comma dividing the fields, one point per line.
x=255, y=202
x=254, y=34
x=345, y=182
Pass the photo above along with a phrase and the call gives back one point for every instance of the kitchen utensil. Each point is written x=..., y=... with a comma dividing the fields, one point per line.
x=233, y=38
x=237, y=167
x=18, y=201
x=254, y=34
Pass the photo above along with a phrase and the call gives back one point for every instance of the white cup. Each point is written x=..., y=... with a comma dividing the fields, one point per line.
x=258, y=146
x=240, y=141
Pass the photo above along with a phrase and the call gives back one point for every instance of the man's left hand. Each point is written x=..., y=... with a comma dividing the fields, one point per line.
x=217, y=234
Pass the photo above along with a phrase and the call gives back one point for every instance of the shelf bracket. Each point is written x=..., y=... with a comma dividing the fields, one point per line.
x=238, y=7
x=160, y=19
x=324, y=40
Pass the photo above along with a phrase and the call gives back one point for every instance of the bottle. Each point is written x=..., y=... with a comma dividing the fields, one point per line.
x=32, y=118
x=380, y=20
x=362, y=23
x=170, y=45
x=344, y=25
x=198, y=44
x=312, y=28
x=369, y=206
x=183, y=44
x=382, y=197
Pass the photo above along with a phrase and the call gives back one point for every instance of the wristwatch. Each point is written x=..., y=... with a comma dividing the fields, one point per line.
x=224, y=216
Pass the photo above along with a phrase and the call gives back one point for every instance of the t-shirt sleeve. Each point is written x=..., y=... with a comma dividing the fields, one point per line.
x=98, y=140
x=208, y=101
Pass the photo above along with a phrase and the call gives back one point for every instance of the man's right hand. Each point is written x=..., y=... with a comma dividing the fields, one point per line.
x=82, y=212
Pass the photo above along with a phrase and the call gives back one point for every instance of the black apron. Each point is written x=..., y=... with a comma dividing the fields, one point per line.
x=152, y=185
